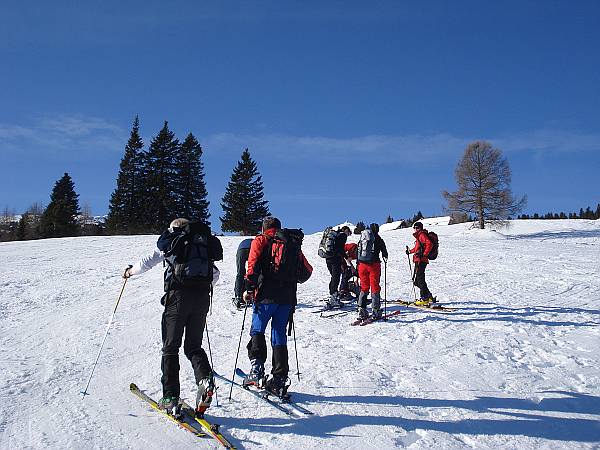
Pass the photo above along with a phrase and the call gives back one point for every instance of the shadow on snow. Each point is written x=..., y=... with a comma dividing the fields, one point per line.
x=516, y=417
x=481, y=312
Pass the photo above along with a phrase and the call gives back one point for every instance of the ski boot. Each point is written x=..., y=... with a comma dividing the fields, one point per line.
x=344, y=294
x=278, y=385
x=171, y=405
x=206, y=389
x=256, y=375
x=362, y=314
x=334, y=301
x=376, y=314
x=424, y=302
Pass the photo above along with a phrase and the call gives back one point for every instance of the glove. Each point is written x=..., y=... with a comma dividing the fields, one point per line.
x=127, y=272
x=249, y=297
x=407, y=251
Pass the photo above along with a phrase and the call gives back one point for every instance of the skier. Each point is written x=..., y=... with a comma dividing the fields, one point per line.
x=241, y=258
x=274, y=298
x=335, y=265
x=423, y=246
x=187, y=285
x=347, y=288
x=369, y=270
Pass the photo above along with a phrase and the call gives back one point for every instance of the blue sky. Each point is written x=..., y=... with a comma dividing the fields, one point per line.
x=352, y=110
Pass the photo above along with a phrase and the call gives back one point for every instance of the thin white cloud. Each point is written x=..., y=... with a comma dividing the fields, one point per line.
x=374, y=148
x=388, y=149
x=77, y=126
x=62, y=134
x=549, y=141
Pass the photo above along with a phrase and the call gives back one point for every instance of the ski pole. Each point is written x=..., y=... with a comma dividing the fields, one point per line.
x=84, y=392
x=238, y=351
x=210, y=356
x=296, y=350
x=412, y=276
x=385, y=287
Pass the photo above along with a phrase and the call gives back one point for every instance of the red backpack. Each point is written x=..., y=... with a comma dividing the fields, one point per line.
x=433, y=254
x=283, y=261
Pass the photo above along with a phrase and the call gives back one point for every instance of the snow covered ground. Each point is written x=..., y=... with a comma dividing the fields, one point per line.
x=516, y=368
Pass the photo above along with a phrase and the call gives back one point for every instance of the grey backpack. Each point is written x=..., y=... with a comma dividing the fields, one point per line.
x=366, y=246
x=327, y=244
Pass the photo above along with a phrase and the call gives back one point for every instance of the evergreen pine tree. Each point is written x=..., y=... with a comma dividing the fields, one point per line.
x=160, y=181
x=22, y=227
x=243, y=202
x=190, y=188
x=60, y=217
x=389, y=219
x=125, y=208
x=597, y=214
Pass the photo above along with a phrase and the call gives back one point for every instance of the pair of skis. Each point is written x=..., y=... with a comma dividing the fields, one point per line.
x=436, y=308
x=371, y=319
x=188, y=420
x=433, y=307
x=201, y=427
x=282, y=404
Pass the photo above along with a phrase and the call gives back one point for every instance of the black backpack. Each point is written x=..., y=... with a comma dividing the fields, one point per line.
x=327, y=244
x=189, y=254
x=435, y=244
x=282, y=256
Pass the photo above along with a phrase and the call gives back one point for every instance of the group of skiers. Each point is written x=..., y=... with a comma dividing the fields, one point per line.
x=269, y=268
x=339, y=258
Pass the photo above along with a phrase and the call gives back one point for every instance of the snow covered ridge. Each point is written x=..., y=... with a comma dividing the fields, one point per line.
x=515, y=368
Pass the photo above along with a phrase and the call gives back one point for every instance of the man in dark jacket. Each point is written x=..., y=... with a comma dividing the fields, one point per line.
x=423, y=246
x=274, y=300
x=335, y=265
x=369, y=270
x=186, y=302
x=241, y=257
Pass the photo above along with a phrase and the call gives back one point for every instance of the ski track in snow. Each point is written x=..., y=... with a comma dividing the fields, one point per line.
x=516, y=367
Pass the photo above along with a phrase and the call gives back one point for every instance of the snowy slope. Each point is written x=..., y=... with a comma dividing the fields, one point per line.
x=516, y=368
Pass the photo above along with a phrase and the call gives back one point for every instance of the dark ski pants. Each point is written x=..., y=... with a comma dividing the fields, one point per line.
x=334, y=265
x=185, y=312
x=257, y=347
x=241, y=257
x=419, y=280
x=347, y=273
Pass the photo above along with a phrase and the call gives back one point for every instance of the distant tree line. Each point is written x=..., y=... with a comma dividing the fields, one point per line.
x=588, y=213
x=153, y=187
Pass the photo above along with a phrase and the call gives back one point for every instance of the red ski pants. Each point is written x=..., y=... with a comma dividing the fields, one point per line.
x=369, y=274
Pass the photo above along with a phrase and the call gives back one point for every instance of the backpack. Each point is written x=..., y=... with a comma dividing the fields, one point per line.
x=433, y=254
x=187, y=256
x=283, y=262
x=327, y=244
x=366, y=246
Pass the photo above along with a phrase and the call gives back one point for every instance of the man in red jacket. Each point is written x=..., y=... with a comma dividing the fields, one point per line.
x=423, y=246
x=274, y=296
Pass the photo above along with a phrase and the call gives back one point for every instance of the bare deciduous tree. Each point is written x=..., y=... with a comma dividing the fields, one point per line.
x=483, y=177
